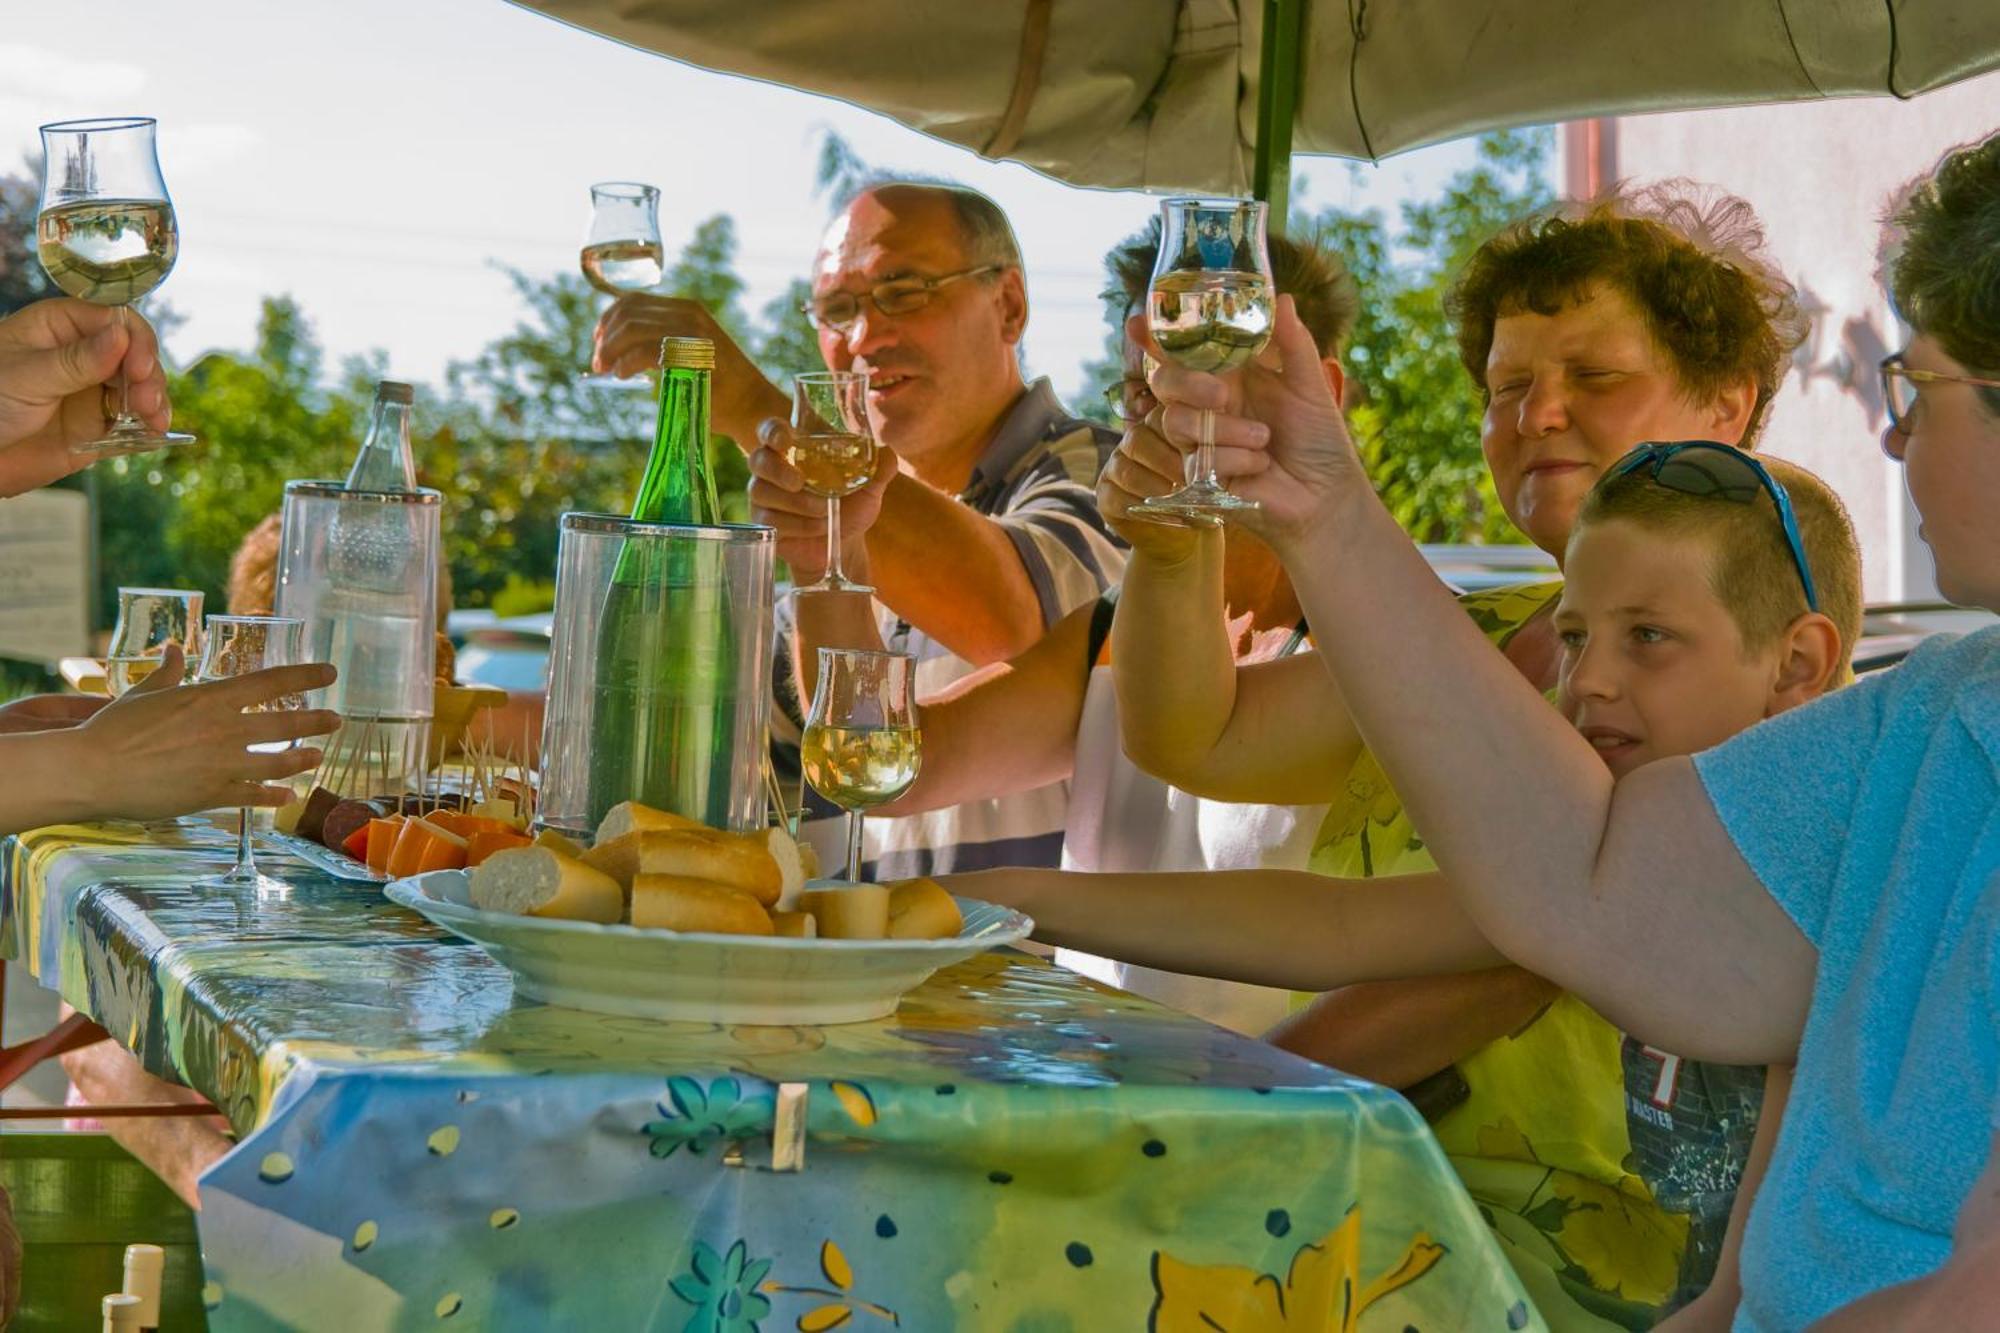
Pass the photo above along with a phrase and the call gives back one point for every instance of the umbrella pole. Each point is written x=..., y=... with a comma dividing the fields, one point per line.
x=1277, y=105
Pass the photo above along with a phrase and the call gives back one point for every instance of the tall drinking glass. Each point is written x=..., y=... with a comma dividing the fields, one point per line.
x=622, y=251
x=149, y=619
x=1209, y=309
x=106, y=234
x=862, y=747
x=834, y=447
x=237, y=646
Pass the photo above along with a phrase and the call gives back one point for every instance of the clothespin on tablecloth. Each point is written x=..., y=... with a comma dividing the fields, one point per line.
x=788, y=1132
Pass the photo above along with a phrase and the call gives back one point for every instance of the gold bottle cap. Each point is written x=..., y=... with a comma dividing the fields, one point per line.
x=687, y=354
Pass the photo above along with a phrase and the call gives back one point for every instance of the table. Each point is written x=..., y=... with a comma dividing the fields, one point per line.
x=1017, y=1148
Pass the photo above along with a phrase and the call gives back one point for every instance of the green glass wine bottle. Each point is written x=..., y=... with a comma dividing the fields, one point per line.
x=664, y=696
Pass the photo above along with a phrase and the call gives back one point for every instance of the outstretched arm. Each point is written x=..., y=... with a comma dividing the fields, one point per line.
x=1282, y=928
x=1275, y=732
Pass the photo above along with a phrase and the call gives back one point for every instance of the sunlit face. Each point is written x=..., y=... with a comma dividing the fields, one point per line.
x=928, y=368
x=1652, y=663
x=1571, y=393
x=1951, y=460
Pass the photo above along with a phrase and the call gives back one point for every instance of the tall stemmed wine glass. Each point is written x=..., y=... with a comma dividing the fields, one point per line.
x=237, y=646
x=1209, y=309
x=834, y=447
x=622, y=251
x=862, y=747
x=148, y=620
x=106, y=234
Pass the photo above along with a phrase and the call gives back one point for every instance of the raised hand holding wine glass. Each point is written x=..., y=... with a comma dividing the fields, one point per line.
x=238, y=646
x=622, y=251
x=832, y=445
x=106, y=234
x=862, y=747
x=1209, y=310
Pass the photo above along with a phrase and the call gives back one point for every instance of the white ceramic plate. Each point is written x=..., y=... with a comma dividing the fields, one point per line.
x=699, y=977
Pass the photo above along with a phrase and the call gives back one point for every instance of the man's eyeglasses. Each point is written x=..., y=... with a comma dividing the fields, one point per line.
x=1705, y=468
x=897, y=296
x=1900, y=384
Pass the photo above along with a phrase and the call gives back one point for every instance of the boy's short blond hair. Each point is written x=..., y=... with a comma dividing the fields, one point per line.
x=1751, y=571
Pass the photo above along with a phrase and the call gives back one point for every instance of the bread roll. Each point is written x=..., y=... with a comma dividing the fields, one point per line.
x=739, y=860
x=795, y=925
x=853, y=912
x=535, y=881
x=920, y=909
x=559, y=844
x=630, y=816
x=681, y=902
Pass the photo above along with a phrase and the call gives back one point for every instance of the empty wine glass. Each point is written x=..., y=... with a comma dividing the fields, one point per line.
x=622, y=252
x=862, y=747
x=1210, y=309
x=106, y=234
x=149, y=619
x=238, y=646
x=834, y=446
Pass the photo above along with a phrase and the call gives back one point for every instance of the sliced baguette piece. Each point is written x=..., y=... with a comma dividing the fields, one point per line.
x=682, y=902
x=630, y=816
x=795, y=925
x=536, y=881
x=851, y=912
x=920, y=909
x=790, y=854
x=740, y=860
x=559, y=843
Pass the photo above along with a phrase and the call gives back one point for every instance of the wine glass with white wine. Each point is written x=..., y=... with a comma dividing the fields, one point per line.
x=106, y=234
x=833, y=447
x=862, y=747
x=1209, y=309
x=238, y=646
x=149, y=620
x=622, y=251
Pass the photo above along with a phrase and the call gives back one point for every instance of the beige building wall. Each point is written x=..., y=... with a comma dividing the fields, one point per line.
x=1819, y=175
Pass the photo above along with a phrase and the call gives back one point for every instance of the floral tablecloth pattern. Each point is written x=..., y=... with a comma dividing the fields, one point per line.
x=1017, y=1148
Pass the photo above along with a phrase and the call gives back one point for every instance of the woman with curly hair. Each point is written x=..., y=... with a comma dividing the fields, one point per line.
x=1649, y=314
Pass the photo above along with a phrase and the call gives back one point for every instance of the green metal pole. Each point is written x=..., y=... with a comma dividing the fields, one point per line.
x=1277, y=103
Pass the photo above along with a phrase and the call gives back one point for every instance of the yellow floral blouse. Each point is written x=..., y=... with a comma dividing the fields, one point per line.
x=1542, y=1141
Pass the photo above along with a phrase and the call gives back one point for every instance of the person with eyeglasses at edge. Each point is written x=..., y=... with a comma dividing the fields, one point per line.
x=1050, y=713
x=1825, y=886
x=981, y=525
x=1653, y=313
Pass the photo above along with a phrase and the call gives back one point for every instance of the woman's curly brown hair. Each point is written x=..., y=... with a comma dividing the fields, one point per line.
x=1690, y=258
x=1944, y=262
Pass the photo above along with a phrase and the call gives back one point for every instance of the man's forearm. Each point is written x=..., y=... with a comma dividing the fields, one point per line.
x=953, y=573
x=44, y=780
x=1398, y=1032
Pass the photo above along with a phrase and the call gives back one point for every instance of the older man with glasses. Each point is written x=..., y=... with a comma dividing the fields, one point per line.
x=979, y=529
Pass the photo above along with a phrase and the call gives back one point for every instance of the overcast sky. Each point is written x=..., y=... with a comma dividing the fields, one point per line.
x=376, y=159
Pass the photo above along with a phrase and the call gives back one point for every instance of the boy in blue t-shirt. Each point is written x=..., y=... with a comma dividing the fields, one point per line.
x=1825, y=886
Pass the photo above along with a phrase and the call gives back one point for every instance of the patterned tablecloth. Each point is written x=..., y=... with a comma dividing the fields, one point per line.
x=1018, y=1148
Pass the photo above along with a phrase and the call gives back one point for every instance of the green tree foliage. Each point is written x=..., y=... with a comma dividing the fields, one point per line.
x=22, y=280
x=1417, y=417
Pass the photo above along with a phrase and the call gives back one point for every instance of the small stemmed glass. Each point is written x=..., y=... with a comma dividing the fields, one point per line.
x=861, y=746
x=106, y=234
x=237, y=646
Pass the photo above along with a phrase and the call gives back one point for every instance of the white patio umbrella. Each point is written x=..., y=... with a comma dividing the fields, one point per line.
x=1170, y=94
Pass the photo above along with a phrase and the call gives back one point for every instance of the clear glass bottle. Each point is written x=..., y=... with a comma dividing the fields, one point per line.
x=385, y=462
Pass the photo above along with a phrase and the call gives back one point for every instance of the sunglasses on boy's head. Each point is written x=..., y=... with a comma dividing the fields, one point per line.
x=1704, y=468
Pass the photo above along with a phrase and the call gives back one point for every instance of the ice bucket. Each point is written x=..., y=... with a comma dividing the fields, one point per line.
x=361, y=569
x=659, y=672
